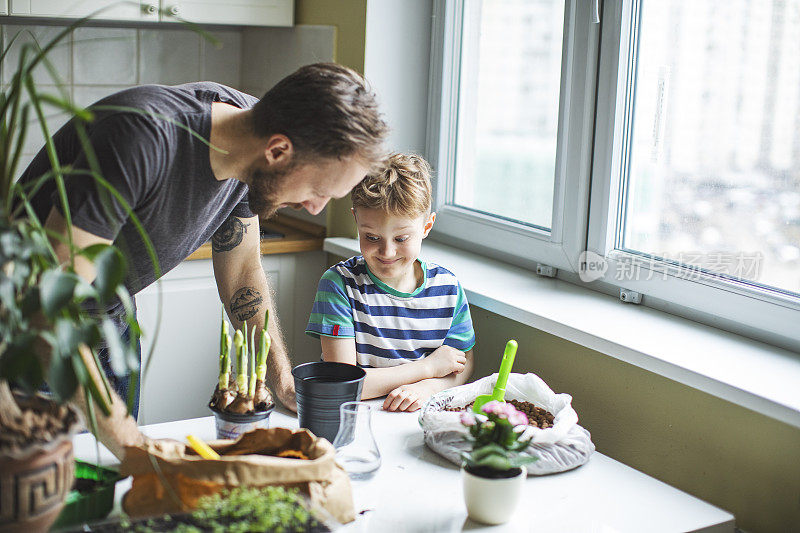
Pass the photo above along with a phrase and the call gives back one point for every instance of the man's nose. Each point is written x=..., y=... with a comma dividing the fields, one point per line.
x=315, y=206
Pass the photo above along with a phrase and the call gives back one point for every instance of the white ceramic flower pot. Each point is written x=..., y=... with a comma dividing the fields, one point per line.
x=492, y=501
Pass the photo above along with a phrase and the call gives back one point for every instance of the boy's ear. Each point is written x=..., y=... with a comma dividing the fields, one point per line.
x=429, y=225
x=279, y=149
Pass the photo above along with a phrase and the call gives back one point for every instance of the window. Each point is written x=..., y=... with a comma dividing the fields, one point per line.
x=508, y=110
x=714, y=163
x=508, y=105
x=666, y=147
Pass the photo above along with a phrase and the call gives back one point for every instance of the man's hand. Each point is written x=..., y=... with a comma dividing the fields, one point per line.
x=286, y=395
x=408, y=397
x=445, y=360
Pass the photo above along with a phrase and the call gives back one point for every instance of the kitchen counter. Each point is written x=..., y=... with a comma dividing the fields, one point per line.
x=415, y=490
x=298, y=236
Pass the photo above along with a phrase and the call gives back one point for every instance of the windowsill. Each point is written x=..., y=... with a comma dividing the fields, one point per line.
x=745, y=372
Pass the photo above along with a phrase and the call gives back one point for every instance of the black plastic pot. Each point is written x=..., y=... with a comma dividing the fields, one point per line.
x=321, y=387
x=232, y=425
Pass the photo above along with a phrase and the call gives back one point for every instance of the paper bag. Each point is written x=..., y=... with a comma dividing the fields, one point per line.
x=248, y=461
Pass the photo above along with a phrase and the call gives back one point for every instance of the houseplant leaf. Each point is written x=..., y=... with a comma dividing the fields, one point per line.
x=30, y=303
x=116, y=349
x=84, y=291
x=18, y=365
x=56, y=289
x=7, y=298
x=61, y=377
x=67, y=337
x=110, y=266
x=10, y=244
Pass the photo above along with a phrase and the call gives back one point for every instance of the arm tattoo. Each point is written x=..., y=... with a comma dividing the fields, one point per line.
x=229, y=235
x=245, y=303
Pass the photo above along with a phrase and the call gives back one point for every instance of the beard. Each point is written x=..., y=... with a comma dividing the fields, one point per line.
x=263, y=188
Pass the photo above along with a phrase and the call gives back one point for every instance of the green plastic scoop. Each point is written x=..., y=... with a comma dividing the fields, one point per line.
x=499, y=392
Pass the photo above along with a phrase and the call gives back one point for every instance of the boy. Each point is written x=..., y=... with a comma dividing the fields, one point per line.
x=407, y=323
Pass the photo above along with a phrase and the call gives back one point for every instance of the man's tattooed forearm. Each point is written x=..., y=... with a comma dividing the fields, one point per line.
x=246, y=303
x=229, y=235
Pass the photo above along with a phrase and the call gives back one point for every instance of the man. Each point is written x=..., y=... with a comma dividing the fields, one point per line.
x=203, y=161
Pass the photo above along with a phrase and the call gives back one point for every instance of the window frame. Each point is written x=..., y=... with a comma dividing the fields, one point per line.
x=592, y=117
x=511, y=241
x=752, y=311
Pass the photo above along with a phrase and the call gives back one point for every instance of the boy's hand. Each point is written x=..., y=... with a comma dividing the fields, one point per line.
x=445, y=360
x=408, y=397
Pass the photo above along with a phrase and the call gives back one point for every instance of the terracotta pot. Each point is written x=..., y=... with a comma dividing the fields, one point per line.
x=35, y=481
x=492, y=500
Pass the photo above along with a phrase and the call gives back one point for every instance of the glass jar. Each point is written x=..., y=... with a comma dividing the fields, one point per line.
x=356, y=449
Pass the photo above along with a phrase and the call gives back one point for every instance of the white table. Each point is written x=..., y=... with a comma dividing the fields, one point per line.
x=415, y=490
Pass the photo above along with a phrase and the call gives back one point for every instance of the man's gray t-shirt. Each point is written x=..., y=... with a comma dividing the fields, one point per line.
x=155, y=160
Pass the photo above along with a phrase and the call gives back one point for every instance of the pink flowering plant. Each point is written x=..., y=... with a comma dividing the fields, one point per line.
x=497, y=438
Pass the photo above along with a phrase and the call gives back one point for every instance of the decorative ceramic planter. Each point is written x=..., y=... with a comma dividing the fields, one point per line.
x=492, y=500
x=35, y=481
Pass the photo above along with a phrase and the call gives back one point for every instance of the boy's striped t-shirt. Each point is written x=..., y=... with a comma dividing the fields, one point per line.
x=391, y=327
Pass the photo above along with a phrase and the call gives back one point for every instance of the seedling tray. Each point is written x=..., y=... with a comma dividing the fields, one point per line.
x=165, y=523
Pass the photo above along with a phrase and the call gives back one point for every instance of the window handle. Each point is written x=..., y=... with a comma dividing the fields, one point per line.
x=595, y=12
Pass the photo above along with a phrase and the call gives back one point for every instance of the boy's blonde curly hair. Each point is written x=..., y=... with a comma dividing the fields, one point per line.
x=402, y=187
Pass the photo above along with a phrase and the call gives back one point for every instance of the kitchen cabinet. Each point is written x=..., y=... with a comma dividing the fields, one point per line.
x=111, y=9
x=236, y=12
x=239, y=12
x=181, y=373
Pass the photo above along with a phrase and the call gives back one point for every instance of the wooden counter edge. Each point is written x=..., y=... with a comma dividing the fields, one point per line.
x=300, y=236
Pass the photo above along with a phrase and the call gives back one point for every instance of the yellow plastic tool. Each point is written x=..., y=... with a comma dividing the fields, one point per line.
x=202, y=449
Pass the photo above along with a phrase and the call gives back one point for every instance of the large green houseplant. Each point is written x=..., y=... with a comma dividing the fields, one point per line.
x=48, y=339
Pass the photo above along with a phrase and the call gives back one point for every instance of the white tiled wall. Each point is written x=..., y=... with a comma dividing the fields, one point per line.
x=102, y=56
x=272, y=53
x=95, y=61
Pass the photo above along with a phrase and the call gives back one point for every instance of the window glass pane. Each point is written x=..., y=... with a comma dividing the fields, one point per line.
x=508, y=108
x=714, y=175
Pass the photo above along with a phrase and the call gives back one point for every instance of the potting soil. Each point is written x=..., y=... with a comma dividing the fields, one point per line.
x=537, y=417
